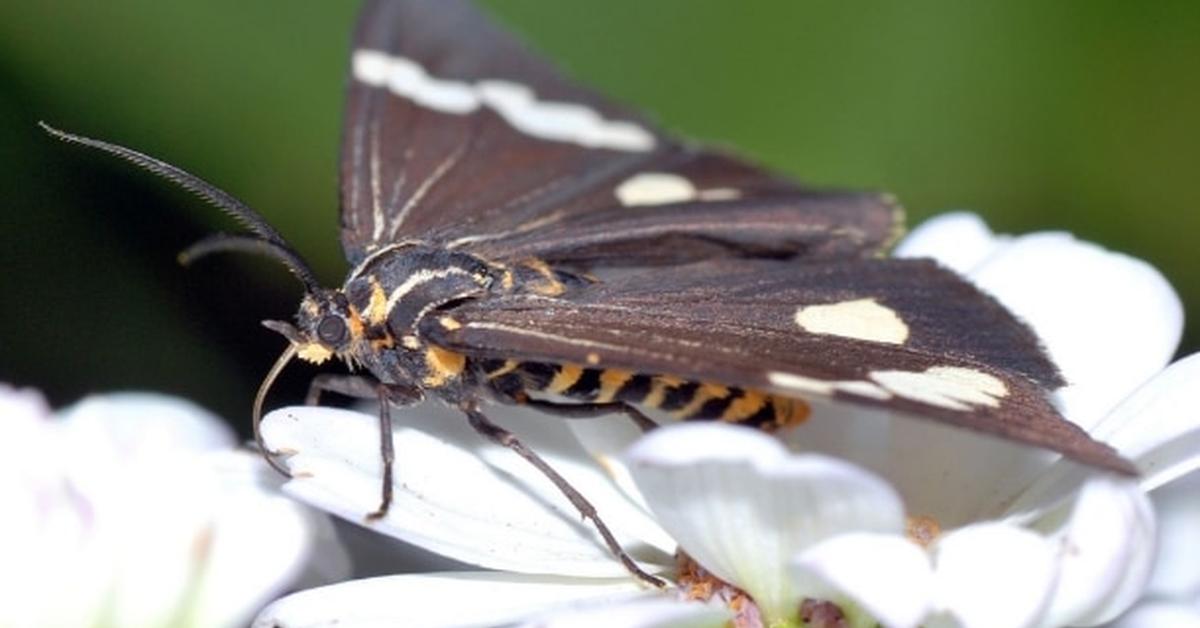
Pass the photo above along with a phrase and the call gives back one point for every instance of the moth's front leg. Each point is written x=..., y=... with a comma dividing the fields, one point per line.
x=387, y=394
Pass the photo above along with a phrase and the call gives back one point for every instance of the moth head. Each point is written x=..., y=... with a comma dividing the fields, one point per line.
x=323, y=326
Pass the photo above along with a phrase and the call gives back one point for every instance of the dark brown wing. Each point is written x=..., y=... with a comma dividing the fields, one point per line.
x=455, y=133
x=902, y=334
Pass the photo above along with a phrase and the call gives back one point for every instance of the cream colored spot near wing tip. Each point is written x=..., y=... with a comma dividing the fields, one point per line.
x=861, y=319
x=519, y=106
x=661, y=188
x=953, y=387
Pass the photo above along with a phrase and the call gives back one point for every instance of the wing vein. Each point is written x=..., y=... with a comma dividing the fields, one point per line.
x=428, y=185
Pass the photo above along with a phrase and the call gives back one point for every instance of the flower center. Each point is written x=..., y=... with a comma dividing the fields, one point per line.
x=821, y=614
x=922, y=530
x=697, y=584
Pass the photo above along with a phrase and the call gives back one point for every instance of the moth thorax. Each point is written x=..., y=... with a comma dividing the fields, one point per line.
x=403, y=287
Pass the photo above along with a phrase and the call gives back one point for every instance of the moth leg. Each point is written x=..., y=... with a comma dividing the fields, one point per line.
x=590, y=410
x=387, y=454
x=347, y=385
x=501, y=436
x=366, y=388
x=389, y=395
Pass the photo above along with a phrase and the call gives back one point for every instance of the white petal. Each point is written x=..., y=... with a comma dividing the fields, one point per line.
x=45, y=539
x=1159, y=615
x=555, y=440
x=162, y=522
x=116, y=513
x=886, y=575
x=958, y=240
x=1067, y=289
x=21, y=404
x=606, y=441
x=742, y=506
x=499, y=513
x=1158, y=427
x=650, y=612
x=966, y=477
x=258, y=544
x=439, y=599
x=139, y=424
x=1177, y=569
x=994, y=575
x=1106, y=553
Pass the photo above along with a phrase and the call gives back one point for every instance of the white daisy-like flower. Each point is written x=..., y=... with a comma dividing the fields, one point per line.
x=135, y=510
x=1172, y=597
x=1008, y=535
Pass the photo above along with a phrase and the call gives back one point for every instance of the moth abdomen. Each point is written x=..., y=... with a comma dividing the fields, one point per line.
x=677, y=397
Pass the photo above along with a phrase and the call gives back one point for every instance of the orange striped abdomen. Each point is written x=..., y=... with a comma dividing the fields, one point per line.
x=683, y=399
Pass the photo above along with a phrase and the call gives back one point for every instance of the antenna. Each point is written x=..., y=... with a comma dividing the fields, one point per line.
x=274, y=244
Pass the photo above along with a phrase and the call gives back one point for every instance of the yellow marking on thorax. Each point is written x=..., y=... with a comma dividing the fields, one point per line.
x=377, y=309
x=442, y=366
x=703, y=394
x=566, y=377
x=508, y=367
x=449, y=323
x=744, y=407
x=356, y=324
x=658, y=389
x=387, y=342
x=410, y=342
x=611, y=381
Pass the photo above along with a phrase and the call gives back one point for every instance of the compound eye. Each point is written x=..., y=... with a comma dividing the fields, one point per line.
x=331, y=330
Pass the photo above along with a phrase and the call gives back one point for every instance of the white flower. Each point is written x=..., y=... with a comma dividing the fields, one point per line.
x=785, y=527
x=134, y=510
x=467, y=499
x=1016, y=541
x=1172, y=597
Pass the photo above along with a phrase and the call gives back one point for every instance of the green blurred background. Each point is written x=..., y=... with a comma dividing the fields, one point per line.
x=1078, y=116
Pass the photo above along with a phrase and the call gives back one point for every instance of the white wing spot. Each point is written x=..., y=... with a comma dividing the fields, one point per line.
x=655, y=188
x=862, y=319
x=516, y=104
x=826, y=387
x=660, y=188
x=951, y=387
x=719, y=194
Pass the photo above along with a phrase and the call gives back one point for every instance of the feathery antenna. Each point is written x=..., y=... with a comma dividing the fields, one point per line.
x=273, y=243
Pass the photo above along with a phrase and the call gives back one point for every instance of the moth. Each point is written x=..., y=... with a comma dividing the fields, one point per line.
x=515, y=238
